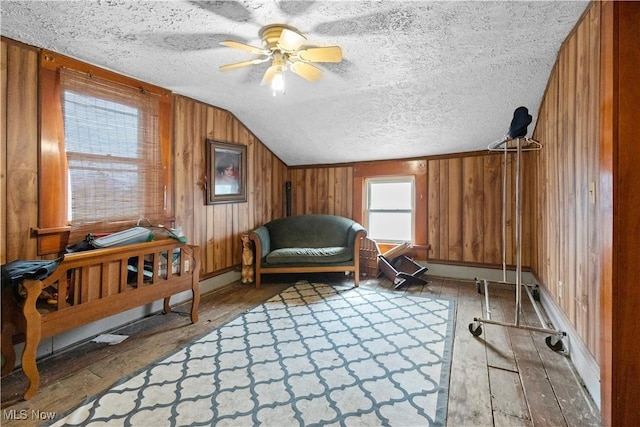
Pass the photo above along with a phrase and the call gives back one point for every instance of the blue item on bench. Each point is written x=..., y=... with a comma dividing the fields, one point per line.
x=15, y=272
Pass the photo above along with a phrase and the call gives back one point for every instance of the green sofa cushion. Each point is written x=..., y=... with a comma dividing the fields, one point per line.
x=327, y=255
x=310, y=231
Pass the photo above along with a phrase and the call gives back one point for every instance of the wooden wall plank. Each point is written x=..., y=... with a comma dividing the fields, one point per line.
x=3, y=151
x=552, y=170
x=251, y=177
x=433, y=209
x=454, y=189
x=340, y=188
x=331, y=191
x=185, y=132
x=311, y=191
x=472, y=213
x=528, y=213
x=196, y=123
x=21, y=150
x=297, y=191
x=570, y=175
x=592, y=141
x=443, y=211
x=509, y=162
x=581, y=161
x=347, y=208
x=492, y=208
x=607, y=139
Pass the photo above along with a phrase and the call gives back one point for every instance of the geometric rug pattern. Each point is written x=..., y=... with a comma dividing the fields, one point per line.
x=313, y=355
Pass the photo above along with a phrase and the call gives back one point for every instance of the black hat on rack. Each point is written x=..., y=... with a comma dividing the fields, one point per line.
x=521, y=119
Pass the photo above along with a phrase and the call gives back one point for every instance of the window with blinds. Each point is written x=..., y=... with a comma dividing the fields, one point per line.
x=111, y=141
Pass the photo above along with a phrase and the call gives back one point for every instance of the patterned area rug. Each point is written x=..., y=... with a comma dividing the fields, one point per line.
x=312, y=355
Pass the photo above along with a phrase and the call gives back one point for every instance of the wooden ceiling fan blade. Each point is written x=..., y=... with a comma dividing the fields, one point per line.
x=269, y=75
x=244, y=47
x=306, y=71
x=321, y=54
x=290, y=40
x=243, y=64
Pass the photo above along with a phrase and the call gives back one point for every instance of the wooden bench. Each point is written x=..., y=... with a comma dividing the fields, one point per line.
x=93, y=285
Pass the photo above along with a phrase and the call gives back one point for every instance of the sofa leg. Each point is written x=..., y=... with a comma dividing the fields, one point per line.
x=356, y=279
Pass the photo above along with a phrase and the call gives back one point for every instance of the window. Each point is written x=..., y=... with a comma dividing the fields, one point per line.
x=389, y=213
x=112, y=150
x=105, y=156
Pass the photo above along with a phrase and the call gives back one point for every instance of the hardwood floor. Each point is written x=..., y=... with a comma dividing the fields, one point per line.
x=504, y=377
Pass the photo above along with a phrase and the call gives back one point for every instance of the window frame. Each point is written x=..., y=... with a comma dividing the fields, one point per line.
x=414, y=167
x=109, y=162
x=368, y=182
x=53, y=231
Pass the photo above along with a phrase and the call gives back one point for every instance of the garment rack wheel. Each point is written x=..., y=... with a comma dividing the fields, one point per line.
x=475, y=328
x=554, y=342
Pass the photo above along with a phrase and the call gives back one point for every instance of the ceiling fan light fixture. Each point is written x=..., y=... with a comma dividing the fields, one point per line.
x=278, y=84
x=284, y=47
x=279, y=66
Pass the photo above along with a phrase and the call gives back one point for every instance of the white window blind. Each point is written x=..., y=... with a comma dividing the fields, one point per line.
x=113, y=153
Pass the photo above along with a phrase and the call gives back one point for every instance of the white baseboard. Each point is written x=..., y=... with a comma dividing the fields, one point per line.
x=582, y=359
x=470, y=273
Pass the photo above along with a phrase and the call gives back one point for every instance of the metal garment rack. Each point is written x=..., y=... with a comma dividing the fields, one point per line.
x=554, y=340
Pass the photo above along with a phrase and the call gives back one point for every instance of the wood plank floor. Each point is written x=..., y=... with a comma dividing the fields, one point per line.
x=504, y=377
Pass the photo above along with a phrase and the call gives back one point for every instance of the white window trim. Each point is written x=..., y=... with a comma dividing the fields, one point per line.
x=391, y=179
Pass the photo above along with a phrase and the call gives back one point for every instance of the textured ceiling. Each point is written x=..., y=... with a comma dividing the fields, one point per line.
x=418, y=77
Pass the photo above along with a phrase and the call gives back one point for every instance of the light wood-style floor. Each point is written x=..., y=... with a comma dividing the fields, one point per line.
x=505, y=377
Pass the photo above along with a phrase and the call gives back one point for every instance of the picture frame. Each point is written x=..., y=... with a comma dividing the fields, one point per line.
x=226, y=174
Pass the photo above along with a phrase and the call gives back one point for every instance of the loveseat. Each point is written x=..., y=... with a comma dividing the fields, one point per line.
x=307, y=244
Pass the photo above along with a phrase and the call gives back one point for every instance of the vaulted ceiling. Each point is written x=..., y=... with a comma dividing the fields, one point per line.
x=418, y=78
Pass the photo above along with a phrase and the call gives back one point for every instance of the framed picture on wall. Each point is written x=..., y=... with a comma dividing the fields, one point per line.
x=226, y=172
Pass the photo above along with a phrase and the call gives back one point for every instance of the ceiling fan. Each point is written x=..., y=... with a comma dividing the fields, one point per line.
x=282, y=45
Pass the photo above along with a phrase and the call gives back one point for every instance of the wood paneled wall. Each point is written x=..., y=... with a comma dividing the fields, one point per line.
x=217, y=228
x=564, y=175
x=321, y=190
x=19, y=164
x=465, y=208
